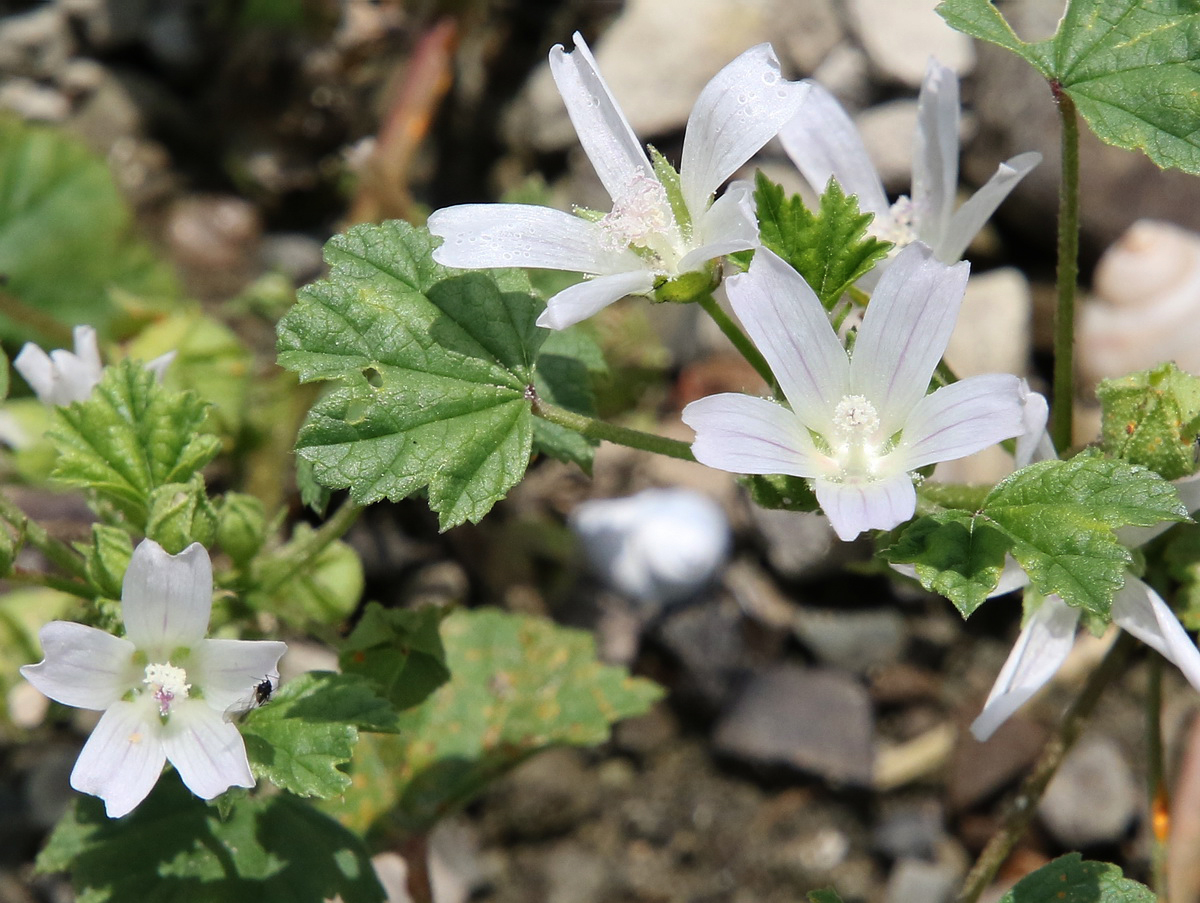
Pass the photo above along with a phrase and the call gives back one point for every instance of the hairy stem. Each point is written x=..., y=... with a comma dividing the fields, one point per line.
x=1024, y=806
x=1156, y=779
x=1068, y=274
x=598, y=429
x=739, y=339
x=302, y=554
x=57, y=551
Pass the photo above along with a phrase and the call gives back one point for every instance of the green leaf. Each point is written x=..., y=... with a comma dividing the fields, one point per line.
x=568, y=361
x=955, y=554
x=400, y=651
x=1060, y=516
x=309, y=728
x=780, y=491
x=1150, y=418
x=518, y=685
x=181, y=514
x=325, y=591
x=1132, y=67
x=107, y=558
x=1070, y=879
x=175, y=848
x=66, y=236
x=825, y=895
x=131, y=437
x=241, y=527
x=830, y=249
x=432, y=365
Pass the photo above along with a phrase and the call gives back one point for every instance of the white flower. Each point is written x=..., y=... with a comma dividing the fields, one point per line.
x=858, y=426
x=163, y=687
x=1049, y=635
x=823, y=142
x=642, y=241
x=658, y=546
x=61, y=377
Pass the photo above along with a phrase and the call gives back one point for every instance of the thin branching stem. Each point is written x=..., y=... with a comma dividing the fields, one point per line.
x=57, y=551
x=607, y=432
x=740, y=340
x=304, y=553
x=1068, y=275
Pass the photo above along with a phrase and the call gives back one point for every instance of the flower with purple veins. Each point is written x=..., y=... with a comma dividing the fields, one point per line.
x=858, y=425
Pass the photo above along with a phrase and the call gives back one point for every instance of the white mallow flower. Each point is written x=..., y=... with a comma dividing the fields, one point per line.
x=659, y=546
x=163, y=688
x=61, y=377
x=858, y=425
x=643, y=240
x=823, y=142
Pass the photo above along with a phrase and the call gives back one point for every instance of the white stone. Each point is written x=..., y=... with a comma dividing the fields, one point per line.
x=30, y=100
x=887, y=131
x=900, y=36
x=993, y=334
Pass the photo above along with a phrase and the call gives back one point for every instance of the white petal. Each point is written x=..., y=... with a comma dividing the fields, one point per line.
x=166, y=599
x=87, y=348
x=159, y=365
x=971, y=216
x=744, y=434
x=1141, y=611
x=876, y=505
x=905, y=331
x=476, y=236
x=122, y=759
x=585, y=298
x=823, y=143
x=229, y=670
x=935, y=154
x=960, y=419
x=790, y=327
x=728, y=225
x=1040, y=650
x=206, y=750
x=739, y=111
x=37, y=369
x=84, y=667
x=1034, y=444
x=603, y=130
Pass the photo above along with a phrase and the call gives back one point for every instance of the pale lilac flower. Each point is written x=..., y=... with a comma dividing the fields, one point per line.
x=658, y=546
x=163, y=687
x=858, y=425
x=1049, y=635
x=643, y=241
x=61, y=377
x=823, y=142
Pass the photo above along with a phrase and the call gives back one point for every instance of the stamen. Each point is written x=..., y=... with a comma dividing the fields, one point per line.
x=898, y=225
x=638, y=216
x=854, y=414
x=167, y=683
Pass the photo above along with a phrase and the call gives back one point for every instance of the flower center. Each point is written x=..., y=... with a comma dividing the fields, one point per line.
x=855, y=451
x=898, y=226
x=855, y=417
x=167, y=683
x=641, y=220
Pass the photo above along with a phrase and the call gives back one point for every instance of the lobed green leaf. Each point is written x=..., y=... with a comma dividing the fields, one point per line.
x=1132, y=67
x=400, y=651
x=1151, y=418
x=1071, y=879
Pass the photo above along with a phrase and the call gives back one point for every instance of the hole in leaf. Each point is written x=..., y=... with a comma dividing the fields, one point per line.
x=373, y=377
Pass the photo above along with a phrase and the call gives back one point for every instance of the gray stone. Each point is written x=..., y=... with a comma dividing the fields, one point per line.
x=914, y=881
x=815, y=720
x=31, y=100
x=852, y=640
x=708, y=640
x=1093, y=799
x=294, y=254
x=977, y=770
x=108, y=24
x=798, y=543
x=576, y=874
x=545, y=797
x=845, y=73
x=813, y=33
x=911, y=829
x=900, y=36
x=887, y=131
x=35, y=44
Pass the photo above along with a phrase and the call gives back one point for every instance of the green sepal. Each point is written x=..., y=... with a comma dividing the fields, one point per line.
x=241, y=526
x=181, y=514
x=106, y=558
x=687, y=288
x=830, y=248
x=668, y=176
x=1132, y=67
x=326, y=590
x=399, y=650
x=780, y=491
x=1150, y=418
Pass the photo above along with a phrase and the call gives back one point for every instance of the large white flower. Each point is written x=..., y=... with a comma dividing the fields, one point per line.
x=858, y=425
x=164, y=689
x=644, y=239
x=823, y=142
x=61, y=377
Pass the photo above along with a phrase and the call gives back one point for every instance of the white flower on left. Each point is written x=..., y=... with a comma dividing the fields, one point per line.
x=164, y=689
x=823, y=142
x=858, y=425
x=644, y=239
x=61, y=377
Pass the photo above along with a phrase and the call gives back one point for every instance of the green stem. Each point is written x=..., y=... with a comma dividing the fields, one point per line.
x=302, y=554
x=740, y=340
x=62, y=584
x=57, y=551
x=1068, y=274
x=1024, y=807
x=598, y=429
x=1156, y=778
